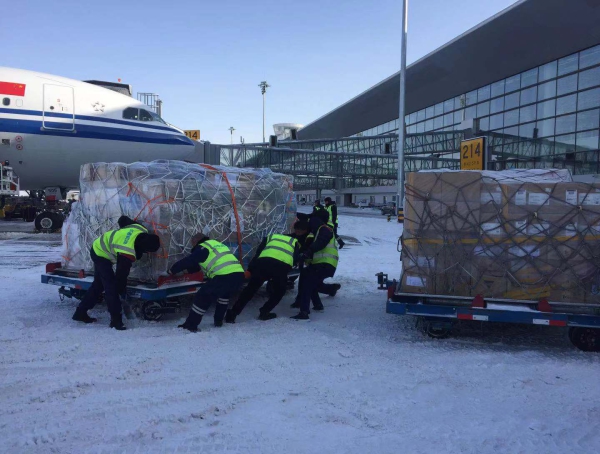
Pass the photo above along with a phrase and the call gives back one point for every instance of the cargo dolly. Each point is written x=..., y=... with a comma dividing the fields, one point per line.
x=152, y=299
x=438, y=314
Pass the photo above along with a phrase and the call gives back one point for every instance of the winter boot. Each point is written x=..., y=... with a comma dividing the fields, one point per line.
x=335, y=290
x=193, y=319
x=82, y=316
x=230, y=317
x=340, y=243
x=264, y=316
x=318, y=307
x=303, y=316
x=189, y=326
x=116, y=322
x=220, y=310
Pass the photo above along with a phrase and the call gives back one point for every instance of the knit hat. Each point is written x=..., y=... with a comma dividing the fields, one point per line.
x=147, y=242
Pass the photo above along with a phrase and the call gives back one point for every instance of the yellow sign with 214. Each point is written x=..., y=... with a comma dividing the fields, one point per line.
x=193, y=134
x=472, y=154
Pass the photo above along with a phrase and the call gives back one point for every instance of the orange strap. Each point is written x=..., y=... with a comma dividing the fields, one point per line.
x=152, y=203
x=235, y=210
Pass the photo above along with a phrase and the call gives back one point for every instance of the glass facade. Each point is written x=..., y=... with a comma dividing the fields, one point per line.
x=558, y=102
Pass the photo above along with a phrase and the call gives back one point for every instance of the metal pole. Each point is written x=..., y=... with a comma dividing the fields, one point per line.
x=401, y=109
x=263, y=89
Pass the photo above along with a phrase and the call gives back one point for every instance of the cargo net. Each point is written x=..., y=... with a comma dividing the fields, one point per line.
x=177, y=200
x=517, y=235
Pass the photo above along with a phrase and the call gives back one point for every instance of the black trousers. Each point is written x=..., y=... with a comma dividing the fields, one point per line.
x=335, y=227
x=264, y=270
x=323, y=288
x=217, y=291
x=309, y=285
x=104, y=281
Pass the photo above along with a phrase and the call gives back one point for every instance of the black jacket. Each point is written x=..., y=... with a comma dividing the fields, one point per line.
x=316, y=209
x=191, y=263
x=322, y=235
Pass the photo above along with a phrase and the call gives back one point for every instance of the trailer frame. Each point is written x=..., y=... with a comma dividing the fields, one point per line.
x=154, y=298
x=437, y=314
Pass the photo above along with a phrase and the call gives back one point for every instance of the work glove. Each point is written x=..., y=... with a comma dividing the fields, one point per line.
x=303, y=256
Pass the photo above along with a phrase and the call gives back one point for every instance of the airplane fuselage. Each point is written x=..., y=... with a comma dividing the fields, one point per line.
x=50, y=126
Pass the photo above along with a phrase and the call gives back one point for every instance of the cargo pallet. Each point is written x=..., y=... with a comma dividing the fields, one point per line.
x=154, y=299
x=437, y=314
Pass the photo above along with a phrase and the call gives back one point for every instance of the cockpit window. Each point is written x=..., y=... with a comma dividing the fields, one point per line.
x=131, y=113
x=156, y=117
x=145, y=115
x=6, y=102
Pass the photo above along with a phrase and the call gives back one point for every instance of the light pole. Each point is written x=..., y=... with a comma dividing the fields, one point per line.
x=231, y=129
x=263, y=89
x=401, y=107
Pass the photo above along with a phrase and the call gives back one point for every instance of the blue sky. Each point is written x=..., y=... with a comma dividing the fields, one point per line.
x=206, y=58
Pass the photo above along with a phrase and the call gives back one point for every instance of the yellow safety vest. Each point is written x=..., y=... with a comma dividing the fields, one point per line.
x=329, y=254
x=329, y=210
x=220, y=260
x=121, y=241
x=280, y=247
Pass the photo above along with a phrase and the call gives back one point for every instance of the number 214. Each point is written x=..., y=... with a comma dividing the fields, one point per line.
x=469, y=148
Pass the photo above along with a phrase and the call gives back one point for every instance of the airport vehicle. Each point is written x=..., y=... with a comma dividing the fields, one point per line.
x=51, y=125
x=389, y=208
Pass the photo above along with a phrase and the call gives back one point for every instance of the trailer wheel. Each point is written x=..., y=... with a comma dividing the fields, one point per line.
x=436, y=329
x=437, y=332
x=151, y=310
x=586, y=339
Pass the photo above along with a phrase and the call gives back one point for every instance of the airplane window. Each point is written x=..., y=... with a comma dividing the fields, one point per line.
x=156, y=117
x=131, y=113
x=6, y=102
x=145, y=115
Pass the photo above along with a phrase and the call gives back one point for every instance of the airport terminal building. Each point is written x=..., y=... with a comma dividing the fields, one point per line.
x=528, y=78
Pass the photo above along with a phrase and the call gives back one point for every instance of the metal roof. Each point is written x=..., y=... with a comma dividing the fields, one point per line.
x=523, y=36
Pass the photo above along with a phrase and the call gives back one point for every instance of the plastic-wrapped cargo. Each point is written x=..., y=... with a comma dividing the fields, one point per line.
x=519, y=235
x=176, y=200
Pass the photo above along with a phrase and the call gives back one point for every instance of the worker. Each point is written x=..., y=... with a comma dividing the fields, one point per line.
x=330, y=289
x=122, y=246
x=225, y=277
x=317, y=207
x=274, y=258
x=331, y=208
x=324, y=259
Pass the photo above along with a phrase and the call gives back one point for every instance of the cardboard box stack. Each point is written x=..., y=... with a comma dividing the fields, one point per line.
x=176, y=200
x=519, y=234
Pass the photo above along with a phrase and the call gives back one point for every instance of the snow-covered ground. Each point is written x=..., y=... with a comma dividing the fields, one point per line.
x=353, y=380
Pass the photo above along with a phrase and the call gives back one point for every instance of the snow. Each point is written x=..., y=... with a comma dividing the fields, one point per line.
x=352, y=380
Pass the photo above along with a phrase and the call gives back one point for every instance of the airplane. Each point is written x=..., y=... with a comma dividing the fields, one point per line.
x=51, y=125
